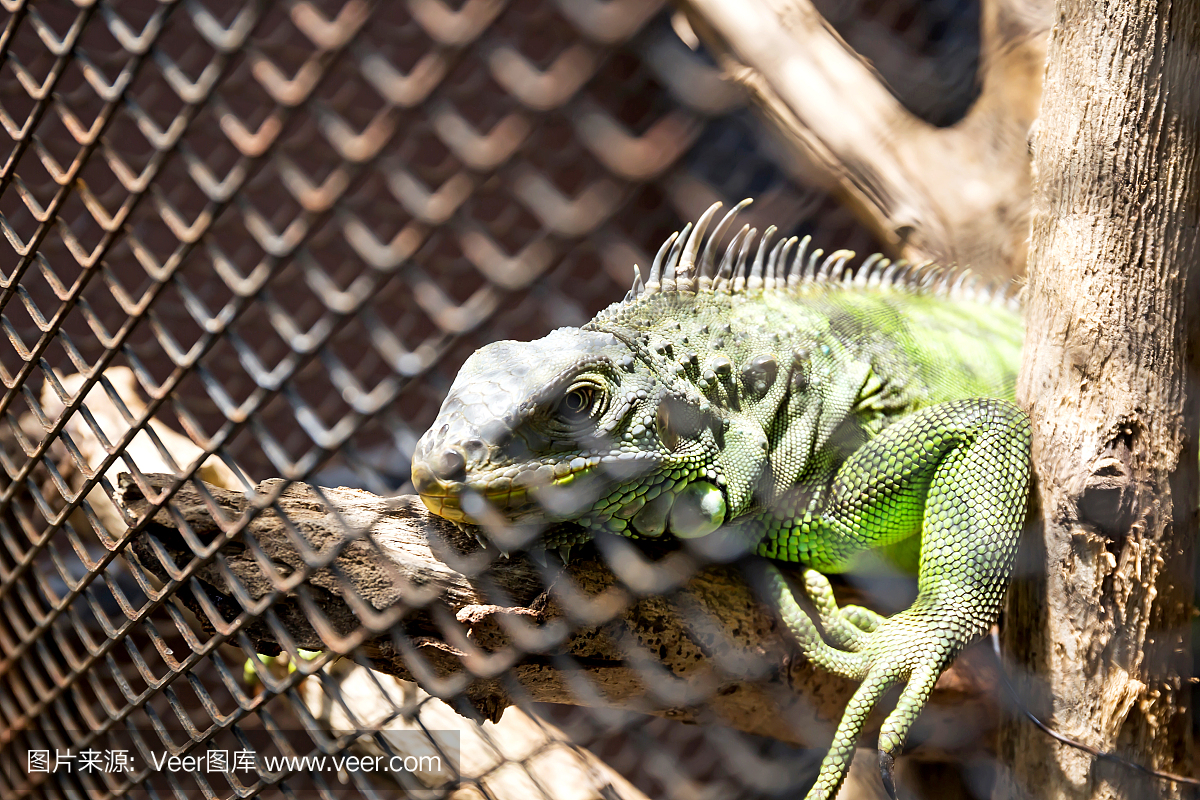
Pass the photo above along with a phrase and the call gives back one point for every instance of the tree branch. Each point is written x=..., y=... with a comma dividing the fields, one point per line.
x=708, y=651
x=957, y=195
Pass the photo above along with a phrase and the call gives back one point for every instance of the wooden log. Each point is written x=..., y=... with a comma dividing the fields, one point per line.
x=337, y=569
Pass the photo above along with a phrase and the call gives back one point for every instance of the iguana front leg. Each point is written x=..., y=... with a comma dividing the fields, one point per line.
x=957, y=475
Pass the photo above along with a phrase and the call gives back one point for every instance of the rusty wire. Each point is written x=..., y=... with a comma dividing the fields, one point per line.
x=274, y=230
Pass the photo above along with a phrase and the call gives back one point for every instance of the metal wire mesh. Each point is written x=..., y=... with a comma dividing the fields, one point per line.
x=252, y=240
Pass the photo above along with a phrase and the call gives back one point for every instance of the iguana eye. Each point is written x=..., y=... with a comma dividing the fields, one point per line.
x=579, y=403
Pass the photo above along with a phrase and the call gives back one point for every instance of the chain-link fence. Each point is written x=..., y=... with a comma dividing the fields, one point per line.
x=252, y=241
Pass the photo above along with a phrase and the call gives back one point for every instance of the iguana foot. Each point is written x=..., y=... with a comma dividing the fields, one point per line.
x=847, y=626
x=863, y=618
x=904, y=649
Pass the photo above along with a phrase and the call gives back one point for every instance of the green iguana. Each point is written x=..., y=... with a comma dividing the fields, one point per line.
x=816, y=413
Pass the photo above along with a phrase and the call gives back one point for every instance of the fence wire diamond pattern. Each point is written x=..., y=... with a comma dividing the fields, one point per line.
x=255, y=240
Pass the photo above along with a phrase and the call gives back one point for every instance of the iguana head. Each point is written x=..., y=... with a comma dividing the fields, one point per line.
x=580, y=425
x=655, y=417
x=612, y=425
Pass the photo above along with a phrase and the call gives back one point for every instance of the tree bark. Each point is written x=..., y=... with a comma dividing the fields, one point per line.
x=1109, y=360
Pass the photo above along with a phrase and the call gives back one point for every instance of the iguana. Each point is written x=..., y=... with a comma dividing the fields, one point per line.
x=818, y=413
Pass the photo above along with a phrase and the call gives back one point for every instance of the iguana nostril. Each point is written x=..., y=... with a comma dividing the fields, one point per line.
x=473, y=446
x=450, y=464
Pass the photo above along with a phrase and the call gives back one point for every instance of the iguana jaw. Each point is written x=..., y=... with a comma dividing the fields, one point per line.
x=510, y=498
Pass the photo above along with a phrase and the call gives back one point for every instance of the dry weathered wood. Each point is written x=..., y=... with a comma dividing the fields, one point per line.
x=514, y=758
x=1107, y=378
x=956, y=195
x=707, y=652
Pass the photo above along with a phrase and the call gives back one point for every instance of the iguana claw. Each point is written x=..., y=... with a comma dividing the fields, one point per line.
x=887, y=764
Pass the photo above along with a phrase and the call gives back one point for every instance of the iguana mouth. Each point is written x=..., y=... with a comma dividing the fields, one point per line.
x=512, y=499
x=447, y=506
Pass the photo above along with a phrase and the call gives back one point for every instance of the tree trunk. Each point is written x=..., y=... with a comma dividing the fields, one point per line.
x=1109, y=353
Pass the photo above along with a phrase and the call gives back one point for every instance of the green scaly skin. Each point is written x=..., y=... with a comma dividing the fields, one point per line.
x=814, y=417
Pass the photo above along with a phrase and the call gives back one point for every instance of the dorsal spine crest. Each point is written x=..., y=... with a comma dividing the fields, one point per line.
x=686, y=264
